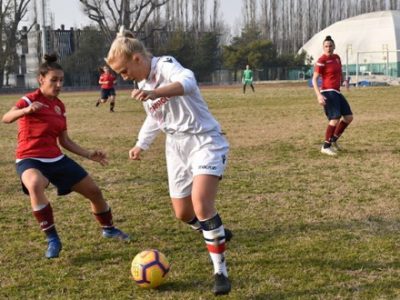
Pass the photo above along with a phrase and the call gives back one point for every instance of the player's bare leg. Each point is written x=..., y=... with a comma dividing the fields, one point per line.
x=102, y=212
x=112, y=103
x=36, y=183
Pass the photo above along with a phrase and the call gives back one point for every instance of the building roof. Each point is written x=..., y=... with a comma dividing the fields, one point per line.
x=372, y=32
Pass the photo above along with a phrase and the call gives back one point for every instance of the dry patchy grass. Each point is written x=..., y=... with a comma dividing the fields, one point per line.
x=306, y=226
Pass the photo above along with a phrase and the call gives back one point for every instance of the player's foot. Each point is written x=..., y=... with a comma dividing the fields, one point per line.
x=328, y=151
x=97, y=103
x=116, y=234
x=54, y=247
x=111, y=109
x=335, y=146
x=222, y=285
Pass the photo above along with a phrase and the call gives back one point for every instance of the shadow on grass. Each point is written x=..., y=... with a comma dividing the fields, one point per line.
x=333, y=292
x=304, y=258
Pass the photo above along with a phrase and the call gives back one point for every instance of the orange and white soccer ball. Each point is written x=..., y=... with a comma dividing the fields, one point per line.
x=150, y=268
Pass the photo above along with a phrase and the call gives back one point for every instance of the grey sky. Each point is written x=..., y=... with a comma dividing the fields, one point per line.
x=68, y=12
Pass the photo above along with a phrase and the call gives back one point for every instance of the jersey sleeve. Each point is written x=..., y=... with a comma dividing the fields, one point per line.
x=21, y=103
x=173, y=71
x=319, y=66
x=147, y=133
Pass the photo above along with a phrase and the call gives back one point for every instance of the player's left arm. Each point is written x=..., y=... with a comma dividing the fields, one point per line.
x=96, y=155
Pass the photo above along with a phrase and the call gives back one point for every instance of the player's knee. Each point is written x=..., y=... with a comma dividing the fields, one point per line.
x=348, y=119
x=35, y=185
x=183, y=216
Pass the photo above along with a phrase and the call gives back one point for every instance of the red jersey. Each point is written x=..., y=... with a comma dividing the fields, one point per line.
x=38, y=131
x=330, y=69
x=110, y=78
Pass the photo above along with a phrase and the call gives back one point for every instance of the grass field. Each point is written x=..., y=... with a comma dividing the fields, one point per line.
x=306, y=226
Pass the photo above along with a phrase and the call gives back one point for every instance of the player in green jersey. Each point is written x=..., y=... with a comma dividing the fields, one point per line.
x=247, y=78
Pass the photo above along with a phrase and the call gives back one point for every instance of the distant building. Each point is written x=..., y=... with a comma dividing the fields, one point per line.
x=61, y=41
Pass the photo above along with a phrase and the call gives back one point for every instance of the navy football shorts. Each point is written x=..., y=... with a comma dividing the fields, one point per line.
x=336, y=105
x=105, y=93
x=63, y=174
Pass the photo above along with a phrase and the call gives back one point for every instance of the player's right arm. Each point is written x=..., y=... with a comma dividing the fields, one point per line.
x=146, y=136
x=15, y=112
x=320, y=97
x=134, y=153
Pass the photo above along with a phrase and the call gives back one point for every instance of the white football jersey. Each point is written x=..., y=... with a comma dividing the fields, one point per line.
x=180, y=114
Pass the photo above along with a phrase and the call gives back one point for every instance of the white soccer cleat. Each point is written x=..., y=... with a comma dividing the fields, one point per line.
x=328, y=151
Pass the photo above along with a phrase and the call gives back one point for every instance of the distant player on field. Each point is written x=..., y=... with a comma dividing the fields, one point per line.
x=247, y=78
x=196, y=150
x=107, y=81
x=336, y=107
x=42, y=127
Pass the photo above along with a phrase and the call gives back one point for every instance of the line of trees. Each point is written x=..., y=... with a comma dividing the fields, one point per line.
x=11, y=14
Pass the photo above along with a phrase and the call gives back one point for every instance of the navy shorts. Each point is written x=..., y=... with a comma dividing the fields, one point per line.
x=336, y=105
x=105, y=93
x=63, y=174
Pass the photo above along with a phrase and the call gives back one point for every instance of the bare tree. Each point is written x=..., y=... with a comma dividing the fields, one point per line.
x=111, y=14
x=11, y=14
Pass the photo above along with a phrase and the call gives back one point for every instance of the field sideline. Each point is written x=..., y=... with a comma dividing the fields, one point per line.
x=306, y=226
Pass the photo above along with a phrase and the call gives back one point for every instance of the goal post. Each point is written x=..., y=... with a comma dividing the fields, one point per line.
x=377, y=66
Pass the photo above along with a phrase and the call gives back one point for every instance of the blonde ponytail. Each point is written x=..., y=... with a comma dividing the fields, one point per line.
x=125, y=45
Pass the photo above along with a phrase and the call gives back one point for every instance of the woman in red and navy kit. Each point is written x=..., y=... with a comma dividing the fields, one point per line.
x=107, y=81
x=336, y=107
x=42, y=127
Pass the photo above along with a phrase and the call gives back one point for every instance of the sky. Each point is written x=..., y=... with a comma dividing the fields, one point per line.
x=68, y=12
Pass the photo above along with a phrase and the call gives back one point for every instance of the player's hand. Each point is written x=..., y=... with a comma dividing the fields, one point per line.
x=143, y=95
x=98, y=156
x=134, y=153
x=35, y=106
x=321, y=100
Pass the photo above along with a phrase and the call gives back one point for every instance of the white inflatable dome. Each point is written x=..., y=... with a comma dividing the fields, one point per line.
x=377, y=33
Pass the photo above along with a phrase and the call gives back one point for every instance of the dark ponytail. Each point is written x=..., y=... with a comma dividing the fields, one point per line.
x=328, y=38
x=50, y=63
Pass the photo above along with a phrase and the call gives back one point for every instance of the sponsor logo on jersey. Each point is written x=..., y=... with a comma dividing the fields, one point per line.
x=168, y=60
x=157, y=104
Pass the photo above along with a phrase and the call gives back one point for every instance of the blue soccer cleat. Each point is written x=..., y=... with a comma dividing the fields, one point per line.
x=54, y=247
x=116, y=234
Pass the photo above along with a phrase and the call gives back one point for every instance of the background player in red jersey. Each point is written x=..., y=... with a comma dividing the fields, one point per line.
x=42, y=127
x=107, y=81
x=336, y=107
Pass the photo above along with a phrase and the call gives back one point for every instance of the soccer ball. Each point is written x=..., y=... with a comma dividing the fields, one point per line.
x=150, y=268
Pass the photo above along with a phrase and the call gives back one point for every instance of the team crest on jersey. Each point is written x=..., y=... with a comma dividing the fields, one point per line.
x=57, y=109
